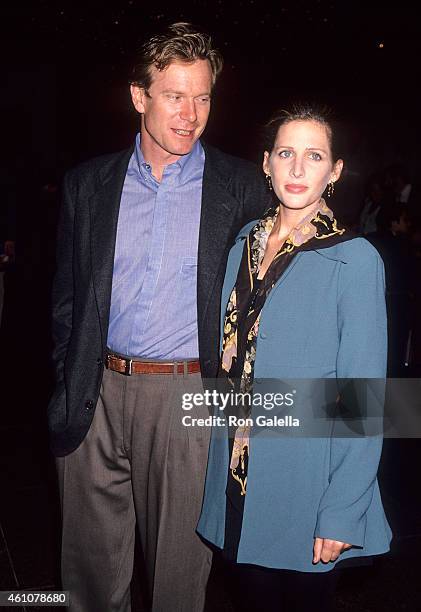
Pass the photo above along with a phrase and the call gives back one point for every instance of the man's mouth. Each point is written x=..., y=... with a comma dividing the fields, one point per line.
x=183, y=132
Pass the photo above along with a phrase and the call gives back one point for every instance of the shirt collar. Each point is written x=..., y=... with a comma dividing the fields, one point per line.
x=184, y=167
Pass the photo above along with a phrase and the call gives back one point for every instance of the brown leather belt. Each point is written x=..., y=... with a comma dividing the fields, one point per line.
x=131, y=366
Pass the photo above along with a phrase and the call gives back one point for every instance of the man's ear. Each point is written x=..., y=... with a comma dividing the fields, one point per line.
x=138, y=97
x=337, y=170
x=265, y=164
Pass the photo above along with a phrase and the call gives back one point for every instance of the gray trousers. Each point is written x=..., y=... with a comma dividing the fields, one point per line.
x=137, y=465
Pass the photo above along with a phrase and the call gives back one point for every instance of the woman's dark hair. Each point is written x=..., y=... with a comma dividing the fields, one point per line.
x=178, y=42
x=303, y=112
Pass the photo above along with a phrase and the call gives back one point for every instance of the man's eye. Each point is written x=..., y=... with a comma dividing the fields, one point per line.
x=285, y=153
x=315, y=156
x=203, y=99
x=173, y=97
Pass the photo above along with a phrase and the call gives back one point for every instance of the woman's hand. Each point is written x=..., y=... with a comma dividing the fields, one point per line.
x=328, y=550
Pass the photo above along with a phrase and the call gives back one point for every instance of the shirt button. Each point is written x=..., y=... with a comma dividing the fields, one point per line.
x=263, y=335
x=89, y=404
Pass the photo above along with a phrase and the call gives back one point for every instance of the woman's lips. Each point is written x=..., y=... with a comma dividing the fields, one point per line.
x=292, y=188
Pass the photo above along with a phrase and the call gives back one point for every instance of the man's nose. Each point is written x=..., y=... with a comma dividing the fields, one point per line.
x=188, y=111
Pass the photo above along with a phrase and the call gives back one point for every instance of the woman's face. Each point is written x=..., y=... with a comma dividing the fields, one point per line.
x=300, y=164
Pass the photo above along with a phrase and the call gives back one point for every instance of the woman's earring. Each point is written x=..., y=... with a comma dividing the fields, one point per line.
x=269, y=182
x=330, y=188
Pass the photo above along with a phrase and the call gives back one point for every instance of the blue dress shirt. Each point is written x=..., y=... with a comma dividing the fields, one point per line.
x=154, y=291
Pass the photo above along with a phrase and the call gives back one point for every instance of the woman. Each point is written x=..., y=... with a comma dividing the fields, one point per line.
x=303, y=299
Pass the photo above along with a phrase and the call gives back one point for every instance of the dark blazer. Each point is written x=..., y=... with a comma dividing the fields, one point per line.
x=233, y=193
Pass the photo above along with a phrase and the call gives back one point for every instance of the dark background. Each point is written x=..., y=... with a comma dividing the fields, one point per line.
x=67, y=66
x=65, y=98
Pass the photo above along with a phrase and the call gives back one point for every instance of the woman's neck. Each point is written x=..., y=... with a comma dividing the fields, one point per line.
x=289, y=218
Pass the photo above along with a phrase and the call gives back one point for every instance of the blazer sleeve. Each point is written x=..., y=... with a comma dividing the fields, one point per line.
x=62, y=293
x=362, y=328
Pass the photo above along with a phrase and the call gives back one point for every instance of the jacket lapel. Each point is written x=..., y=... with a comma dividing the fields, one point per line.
x=104, y=208
x=218, y=214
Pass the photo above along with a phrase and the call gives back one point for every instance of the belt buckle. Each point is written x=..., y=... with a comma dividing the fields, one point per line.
x=128, y=367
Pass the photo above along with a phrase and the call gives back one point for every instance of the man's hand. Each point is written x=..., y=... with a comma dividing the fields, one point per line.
x=328, y=550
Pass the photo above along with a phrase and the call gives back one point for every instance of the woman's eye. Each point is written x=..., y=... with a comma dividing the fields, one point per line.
x=285, y=154
x=315, y=156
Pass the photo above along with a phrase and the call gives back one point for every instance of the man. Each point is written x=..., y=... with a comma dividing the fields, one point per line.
x=143, y=241
x=393, y=243
x=404, y=190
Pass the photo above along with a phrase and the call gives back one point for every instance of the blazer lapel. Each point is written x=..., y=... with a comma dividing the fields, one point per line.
x=104, y=208
x=218, y=215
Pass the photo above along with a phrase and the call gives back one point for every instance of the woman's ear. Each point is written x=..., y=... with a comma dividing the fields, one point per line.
x=265, y=163
x=337, y=170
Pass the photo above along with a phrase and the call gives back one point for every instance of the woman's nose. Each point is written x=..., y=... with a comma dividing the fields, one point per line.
x=297, y=168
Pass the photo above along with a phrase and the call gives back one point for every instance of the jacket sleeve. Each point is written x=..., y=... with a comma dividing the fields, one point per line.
x=362, y=328
x=62, y=294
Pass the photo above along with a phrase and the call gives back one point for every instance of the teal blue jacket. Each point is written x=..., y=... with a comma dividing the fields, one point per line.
x=324, y=318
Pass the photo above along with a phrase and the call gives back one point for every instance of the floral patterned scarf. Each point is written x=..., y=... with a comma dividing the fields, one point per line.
x=242, y=316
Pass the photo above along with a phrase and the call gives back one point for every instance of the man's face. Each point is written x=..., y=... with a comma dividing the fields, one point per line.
x=175, y=109
x=402, y=226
